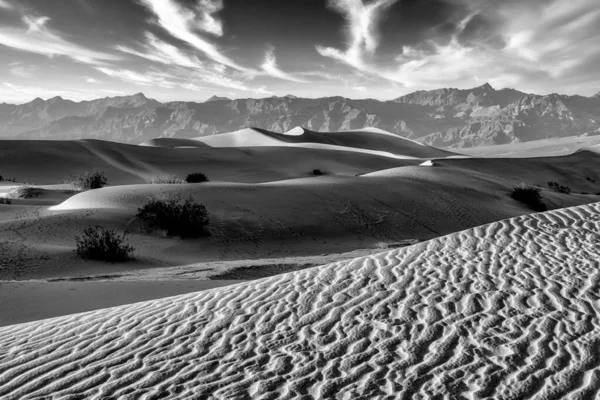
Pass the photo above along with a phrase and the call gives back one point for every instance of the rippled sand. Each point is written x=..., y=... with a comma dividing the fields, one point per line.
x=506, y=310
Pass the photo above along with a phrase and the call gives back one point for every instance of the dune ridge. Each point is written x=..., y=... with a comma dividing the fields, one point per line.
x=367, y=140
x=506, y=310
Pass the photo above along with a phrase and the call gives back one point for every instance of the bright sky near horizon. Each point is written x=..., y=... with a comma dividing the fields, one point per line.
x=193, y=49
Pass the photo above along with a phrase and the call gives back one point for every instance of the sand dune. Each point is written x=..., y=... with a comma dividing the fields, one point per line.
x=288, y=219
x=49, y=162
x=507, y=310
x=369, y=140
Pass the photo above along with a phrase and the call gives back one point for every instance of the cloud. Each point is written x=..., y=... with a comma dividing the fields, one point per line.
x=270, y=67
x=363, y=38
x=6, y=5
x=181, y=23
x=37, y=38
x=146, y=79
x=21, y=70
x=161, y=52
x=538, y=45
x=89, y=79
x=206, y=21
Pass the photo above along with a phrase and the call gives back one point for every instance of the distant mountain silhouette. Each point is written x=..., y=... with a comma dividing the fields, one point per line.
x=217, y=98
x=443, y=118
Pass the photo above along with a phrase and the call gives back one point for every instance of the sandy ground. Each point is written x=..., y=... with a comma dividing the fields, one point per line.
x=507, y=310
x=286, y=220
x=25, y=301
x=537, y=148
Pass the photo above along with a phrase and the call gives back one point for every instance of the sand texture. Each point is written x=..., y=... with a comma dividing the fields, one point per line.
x=508, y=310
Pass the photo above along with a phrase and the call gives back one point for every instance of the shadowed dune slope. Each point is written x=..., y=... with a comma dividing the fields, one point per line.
x=173, y=142
x=364, y=139
x=47, y=162
x=506, y=310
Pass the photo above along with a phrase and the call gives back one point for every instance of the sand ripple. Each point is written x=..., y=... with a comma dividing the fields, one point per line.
x=505, y=311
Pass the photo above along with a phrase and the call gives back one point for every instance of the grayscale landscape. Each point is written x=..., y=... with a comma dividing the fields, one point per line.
x=337, y=199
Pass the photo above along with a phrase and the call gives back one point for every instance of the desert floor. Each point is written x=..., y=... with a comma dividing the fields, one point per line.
x=269, y=214
x=507, y=310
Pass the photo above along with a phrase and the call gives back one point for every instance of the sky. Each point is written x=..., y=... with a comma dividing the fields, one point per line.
x=190, y=50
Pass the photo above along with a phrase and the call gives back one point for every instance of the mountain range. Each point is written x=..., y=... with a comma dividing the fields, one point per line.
x=442, y=118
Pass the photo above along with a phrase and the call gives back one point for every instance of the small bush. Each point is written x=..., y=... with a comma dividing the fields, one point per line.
x=317, y=172
x=564, y=189
x=530, y=195
x=177, y=218
x=1, y=178
x=553, y=185
x=88, y=180
x=589, y=178
x=25, y=192
x=196, y=177
x=97, y=243
x=4, y=200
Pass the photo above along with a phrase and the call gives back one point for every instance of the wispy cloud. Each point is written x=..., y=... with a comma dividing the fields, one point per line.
x=182, y=23
x=148, y=78
x=161, y=52
x=89, y=79
x=21, y=70
x=528, y=44
x=363, y=39
x=6, y=5
x=36, y=37
x=270, y=67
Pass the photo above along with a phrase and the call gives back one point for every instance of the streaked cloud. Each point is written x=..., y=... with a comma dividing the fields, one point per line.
x=161, y=52
x=508, y=43
x=270, y=67
x=361, y=30
x=36, y=37
x=6, y=5
x=181, y=23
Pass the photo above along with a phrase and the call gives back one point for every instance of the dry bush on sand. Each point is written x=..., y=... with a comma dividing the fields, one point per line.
x=97, y=243
x=183, y=218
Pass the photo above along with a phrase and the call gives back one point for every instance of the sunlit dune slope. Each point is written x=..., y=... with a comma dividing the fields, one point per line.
x=507, y=310
x=368, y=139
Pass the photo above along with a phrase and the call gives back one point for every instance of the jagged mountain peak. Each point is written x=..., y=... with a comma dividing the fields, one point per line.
x=217, y=98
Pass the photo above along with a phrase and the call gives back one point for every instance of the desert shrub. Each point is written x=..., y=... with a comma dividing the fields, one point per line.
x=97, y=243
x=185, y=218
x=597, y=193
x=196, y=177
x=170, y=179
x=590, y=179
x=88, y=180
x=26, y=192
x=4, y=200
x=1, y=178
x=317, y=172
x=564, y=189
x=530, y=195
x=553, y=185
